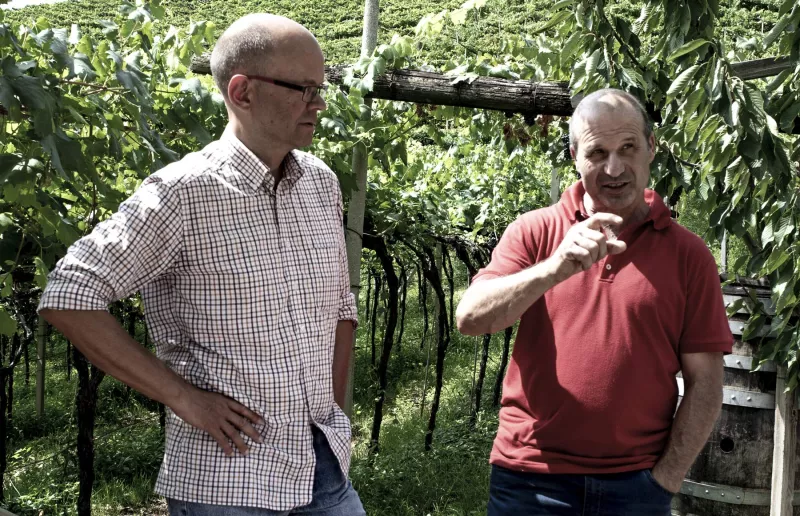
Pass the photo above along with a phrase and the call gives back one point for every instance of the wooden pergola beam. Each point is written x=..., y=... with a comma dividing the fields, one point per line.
x=527, y=97
x=761, y=68
x=551, y=98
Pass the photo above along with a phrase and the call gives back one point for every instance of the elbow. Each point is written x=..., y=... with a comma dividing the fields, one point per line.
x=467, y=321
x=49, y=315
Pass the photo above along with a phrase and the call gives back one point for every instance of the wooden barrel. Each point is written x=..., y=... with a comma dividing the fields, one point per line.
x=732, y=476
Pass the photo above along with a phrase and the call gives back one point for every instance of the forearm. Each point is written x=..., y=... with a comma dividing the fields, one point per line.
x=99, y=336
x=691, y=427
x=491, y=305
x=342, y=351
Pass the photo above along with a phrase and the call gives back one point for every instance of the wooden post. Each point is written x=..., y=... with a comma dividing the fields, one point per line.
x=783, y=456
x=41, y=351
x=358, y=198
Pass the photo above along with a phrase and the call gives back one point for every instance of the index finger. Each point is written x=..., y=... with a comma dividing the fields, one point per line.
x=598, y=220
x=246, y=412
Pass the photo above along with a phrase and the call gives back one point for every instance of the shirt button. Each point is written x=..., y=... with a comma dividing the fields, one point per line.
x=608, y=266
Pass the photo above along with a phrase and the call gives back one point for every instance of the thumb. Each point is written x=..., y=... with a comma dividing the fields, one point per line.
x=616, y=246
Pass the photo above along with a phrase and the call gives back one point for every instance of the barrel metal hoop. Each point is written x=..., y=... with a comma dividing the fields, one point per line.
x=739, y=398
x=746, y=363
x=730, y=494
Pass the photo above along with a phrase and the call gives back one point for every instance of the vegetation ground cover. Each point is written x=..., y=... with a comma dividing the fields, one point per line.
x=401, y=479
x=338, y=23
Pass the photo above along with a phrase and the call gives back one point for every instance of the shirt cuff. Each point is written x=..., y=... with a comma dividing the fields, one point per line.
x=75, y=293
x=348, y=310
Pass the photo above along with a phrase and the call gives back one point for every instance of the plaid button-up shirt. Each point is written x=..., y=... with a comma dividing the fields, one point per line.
x=243, y=285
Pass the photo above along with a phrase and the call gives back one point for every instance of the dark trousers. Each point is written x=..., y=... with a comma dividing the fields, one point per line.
x=635, y=493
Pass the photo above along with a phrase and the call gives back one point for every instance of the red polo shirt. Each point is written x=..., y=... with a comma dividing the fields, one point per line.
x=591, y=383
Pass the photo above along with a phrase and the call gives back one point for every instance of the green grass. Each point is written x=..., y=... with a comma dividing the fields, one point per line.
x=402, y=479
x=42, y=469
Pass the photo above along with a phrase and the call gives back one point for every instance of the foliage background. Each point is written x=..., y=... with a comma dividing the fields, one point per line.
x=80, y=143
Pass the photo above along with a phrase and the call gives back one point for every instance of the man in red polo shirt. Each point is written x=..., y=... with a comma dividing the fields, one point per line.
x=614, y=298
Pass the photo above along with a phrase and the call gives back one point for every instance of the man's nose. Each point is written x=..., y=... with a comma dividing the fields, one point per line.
x=318, y=104
x=614, y=165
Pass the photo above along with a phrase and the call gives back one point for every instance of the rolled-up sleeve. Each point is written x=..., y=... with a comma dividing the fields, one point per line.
x=348, y=311
x=138, y=243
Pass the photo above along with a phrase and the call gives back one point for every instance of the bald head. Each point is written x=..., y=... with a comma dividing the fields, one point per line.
x=608, y=101
x=251, y=42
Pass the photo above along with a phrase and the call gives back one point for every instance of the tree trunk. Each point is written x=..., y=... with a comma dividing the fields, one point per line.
x=41, y=339
x=132, y=324
x=89, y=378
x=498, y=384
x=10, y=406
x=378, y=286
x=487, y=339
x=358, y=197
x=430, y=269
x=425, y=381
x=403, y=297
x=443, y=341
x=449, y=273
x=6, y=401
x=422, y=291
x=3, y=430
x=368, y=303
x=379, y=246
x=26, y=355
x=469, y=254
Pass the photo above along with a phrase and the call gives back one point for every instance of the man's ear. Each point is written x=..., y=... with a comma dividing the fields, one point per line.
x=651, y=142
x=240, y=92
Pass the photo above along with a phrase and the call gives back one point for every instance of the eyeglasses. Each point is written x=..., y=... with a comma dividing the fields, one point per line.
x=309, y=92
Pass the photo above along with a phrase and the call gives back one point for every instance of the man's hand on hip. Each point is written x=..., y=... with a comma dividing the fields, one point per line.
x=223, y=418
x=670, y=481
x=584, y=245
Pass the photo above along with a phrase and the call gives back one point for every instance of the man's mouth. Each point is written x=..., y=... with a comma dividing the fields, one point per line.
x=615, y=185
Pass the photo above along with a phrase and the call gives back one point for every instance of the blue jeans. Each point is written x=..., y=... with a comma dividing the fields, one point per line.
x=333, y=494
x=635, y=493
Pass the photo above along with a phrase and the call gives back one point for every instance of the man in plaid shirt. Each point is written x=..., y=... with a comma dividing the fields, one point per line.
x=238, y=252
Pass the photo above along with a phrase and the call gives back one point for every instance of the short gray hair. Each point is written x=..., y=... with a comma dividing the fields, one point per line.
x=589, y=101
x=240, y=50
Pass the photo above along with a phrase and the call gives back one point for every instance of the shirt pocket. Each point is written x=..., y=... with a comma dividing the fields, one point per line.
x=321, y=241
x=320, y=230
